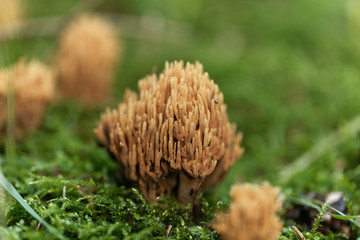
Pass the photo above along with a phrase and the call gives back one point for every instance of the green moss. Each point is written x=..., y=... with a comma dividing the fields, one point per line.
x=101, y=211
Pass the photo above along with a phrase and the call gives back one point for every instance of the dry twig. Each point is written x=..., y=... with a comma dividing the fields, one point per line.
x=299, y=233
x=64, y=192
x=79, y=189
x=168, y=231
x=90, y=200
x=131, y=26
x=38, y=226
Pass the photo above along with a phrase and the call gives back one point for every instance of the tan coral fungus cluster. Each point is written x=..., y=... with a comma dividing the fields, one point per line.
x=88, y=52
x=252, y=214
x=174, y=138
x=33, y=85
x=10, y=11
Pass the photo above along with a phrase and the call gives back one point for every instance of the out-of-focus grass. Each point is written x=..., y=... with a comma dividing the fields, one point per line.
x=289, y=72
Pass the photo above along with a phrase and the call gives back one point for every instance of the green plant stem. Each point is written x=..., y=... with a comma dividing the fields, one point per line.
x=316, y=204
x=2, y=206
x=10, y=128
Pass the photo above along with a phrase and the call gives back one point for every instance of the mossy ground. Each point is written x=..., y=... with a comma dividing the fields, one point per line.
x=290, y=74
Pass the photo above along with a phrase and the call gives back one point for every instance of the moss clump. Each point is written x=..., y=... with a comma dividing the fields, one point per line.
x=91, y=209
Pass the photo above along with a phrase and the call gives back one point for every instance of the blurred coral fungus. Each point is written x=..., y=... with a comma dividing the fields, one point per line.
x=174, y=138
x=252, y=214
x=88, y=52
x=33, y=85
x=10, y=11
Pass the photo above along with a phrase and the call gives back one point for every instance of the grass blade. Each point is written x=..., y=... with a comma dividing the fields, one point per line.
x=313, y=204
x=350, y=129
x=12, y=191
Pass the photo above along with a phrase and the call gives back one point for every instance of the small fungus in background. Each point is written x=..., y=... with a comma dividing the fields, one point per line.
x=33, y=85
x=173, y=138
x=88, y=52
x=252, y=214
x=10, y=11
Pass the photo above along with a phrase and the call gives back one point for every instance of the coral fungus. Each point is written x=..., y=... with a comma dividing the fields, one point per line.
x=252, y=214
x=10, y=11
x=174, y=138
x=33, y=87
x=88, y=52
